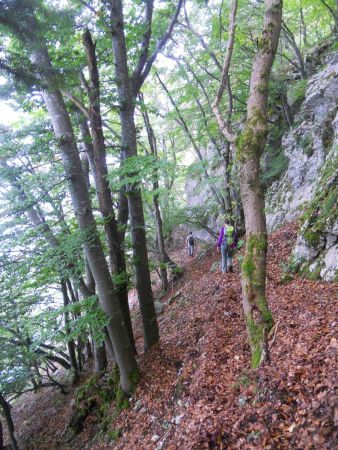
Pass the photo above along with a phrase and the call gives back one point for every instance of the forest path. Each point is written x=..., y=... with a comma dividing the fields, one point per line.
x=197, y=389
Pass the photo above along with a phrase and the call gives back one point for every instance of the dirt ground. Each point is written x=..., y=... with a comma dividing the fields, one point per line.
x=197, y=390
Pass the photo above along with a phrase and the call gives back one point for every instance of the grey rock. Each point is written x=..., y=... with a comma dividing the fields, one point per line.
x=214, y=267
x=331, y=239
x=158, y=308
x=229, y=314
x=329, y=272
x=174, y=297
x=303, y=145
x=137, y=405
x=178, y=419
x=303, y=251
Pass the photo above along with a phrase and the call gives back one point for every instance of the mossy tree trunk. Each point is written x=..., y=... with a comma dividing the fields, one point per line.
x=250, y=146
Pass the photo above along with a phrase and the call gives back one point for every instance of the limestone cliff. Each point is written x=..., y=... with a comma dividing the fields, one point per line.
x=308, y=189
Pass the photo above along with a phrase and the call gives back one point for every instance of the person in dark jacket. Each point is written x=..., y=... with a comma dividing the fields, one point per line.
x=190, y=242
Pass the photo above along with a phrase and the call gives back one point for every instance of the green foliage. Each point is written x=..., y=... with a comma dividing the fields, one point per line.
x=321, y=211
x=305, y=142
x=296, y=92
x=290, y=268
x=277, y=166
x=240, y=244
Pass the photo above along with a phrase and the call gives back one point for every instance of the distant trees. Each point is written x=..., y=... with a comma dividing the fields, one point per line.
x=30, y=27
x=93, y=175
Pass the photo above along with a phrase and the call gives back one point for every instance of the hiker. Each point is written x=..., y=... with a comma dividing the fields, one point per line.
x=226, y=244
x=190, y=241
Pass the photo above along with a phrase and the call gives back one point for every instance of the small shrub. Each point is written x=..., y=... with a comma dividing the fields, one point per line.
x=290, y=268
x=306, y=143
x=275, y=167
x=114, y=435
x=296, y=92
x=240, y=244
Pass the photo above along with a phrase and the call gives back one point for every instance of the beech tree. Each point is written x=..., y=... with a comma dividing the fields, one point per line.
x=29, y=31
x=249, y=147
x=128, y=87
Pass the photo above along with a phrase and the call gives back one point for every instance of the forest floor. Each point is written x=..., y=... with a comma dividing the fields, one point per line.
x=197, y=390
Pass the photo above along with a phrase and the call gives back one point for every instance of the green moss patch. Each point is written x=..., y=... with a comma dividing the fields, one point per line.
x=296, y=92
x=321, y=212
x=97, y=396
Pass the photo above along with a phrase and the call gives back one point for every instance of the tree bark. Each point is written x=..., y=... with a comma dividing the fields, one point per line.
x=6, y=408
x=96, y=152
x=1, y=436
x=32, y=36
x=292, y=41
x=135, y=204
x=250, y=146
x=70, y=342
x=100, y=358
x=287, y=110
x=163, y=257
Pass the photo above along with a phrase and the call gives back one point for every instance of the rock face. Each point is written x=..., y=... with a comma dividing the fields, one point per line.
x=312, y=148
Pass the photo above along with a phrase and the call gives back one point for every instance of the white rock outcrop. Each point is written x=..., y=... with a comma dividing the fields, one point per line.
x=310, y=146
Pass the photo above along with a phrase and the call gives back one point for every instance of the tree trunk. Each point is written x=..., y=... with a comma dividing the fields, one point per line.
x=6, y=408
x=96, y=153
x=70, y=342
x=80, y=200
x=100, y=358
x=133, y=191
x=89, y=352
x=250, y=146
x=1, y=436
x=287, y=110
x=227, y=184
x=163, y=257
x=292, y=42
x=109, y=346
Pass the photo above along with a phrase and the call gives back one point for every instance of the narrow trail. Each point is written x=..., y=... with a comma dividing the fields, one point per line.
x=201, y=393
x=197, y=390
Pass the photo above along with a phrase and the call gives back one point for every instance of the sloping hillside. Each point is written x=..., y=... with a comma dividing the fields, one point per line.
x=197, y=389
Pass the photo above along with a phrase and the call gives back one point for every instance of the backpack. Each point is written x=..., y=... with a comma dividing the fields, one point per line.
x=229, y=235
x=191, y=240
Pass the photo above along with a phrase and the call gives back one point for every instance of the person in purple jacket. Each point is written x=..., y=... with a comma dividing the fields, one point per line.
x=225, y=244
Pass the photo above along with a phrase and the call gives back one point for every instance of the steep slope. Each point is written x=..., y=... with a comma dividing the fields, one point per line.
x=201, y=393
x=197, y=389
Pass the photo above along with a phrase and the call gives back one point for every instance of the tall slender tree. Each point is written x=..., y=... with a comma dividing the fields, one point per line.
x=249, y=147
x=128, y=87
x=25, y=26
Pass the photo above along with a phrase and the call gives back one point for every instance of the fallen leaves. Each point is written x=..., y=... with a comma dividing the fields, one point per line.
x=197, y=390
